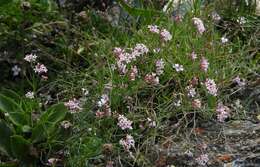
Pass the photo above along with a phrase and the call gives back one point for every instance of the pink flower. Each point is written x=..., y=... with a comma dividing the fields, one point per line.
x=159, y=67
x=73, y=105
x=141, y=48
x=30, y=58
x=151, y=79
x=240, y=82
x=127, y=143
x=211, y=86
x=133, y=73
x=199, y=25
x=202, y=159
x=165, y=35
x=204, y=64
x=193, y=55
x=40, y=68
x=196, y=104
x=223, y=112
x=124, y=123
x=154, y=29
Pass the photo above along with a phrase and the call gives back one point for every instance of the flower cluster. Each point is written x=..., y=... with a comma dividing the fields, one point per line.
x=178, y=67
x=30, y=58
x=211, y=86
x=39, y=68
x=223, y=112
x=127, y=143
x=151, y=79
x=133, y=73
x=191, y=91
x=202, y=159
x=199, y=25
x=224, y=40
x=123, y=58
x=124, y=123
x=193, y=55
x=73, y=105
x=66, y=124
x=29, y=95
x=240, y=82
x=164, y=34
x=159, y=67
x=204, y=64
x=104, y=107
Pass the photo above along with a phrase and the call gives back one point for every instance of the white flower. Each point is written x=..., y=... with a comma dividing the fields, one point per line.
x=224, y=40
x=104, y=100
x=66, y=124
x=178, y=67
x=85, y=91
x=177, y=103
x=215, y=16
x=191, y=91
x=16, y=70
x=29, y=95
x=241, y=20
x=30, y=58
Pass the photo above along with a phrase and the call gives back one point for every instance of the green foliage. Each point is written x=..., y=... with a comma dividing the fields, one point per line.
x=20, y=136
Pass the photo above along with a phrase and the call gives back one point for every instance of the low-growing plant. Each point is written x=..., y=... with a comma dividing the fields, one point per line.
x=25, y=129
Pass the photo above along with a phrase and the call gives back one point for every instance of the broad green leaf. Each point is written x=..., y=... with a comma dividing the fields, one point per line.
x=138, y=12
x=14, y=111
x=48, y=122
x=20, y=147
x=5, y=134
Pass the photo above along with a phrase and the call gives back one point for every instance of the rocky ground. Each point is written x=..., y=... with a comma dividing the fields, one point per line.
x=233, y=144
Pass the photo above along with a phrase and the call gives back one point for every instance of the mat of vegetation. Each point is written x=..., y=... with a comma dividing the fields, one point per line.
x=129, y=83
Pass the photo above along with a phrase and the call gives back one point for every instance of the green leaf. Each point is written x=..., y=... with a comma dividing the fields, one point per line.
x=5, y=134
x=92, y=146
x=138, y=12
x=5, y=2
x=11, y=94
x=48, y=122
x=20, y=147
x=14, y=111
